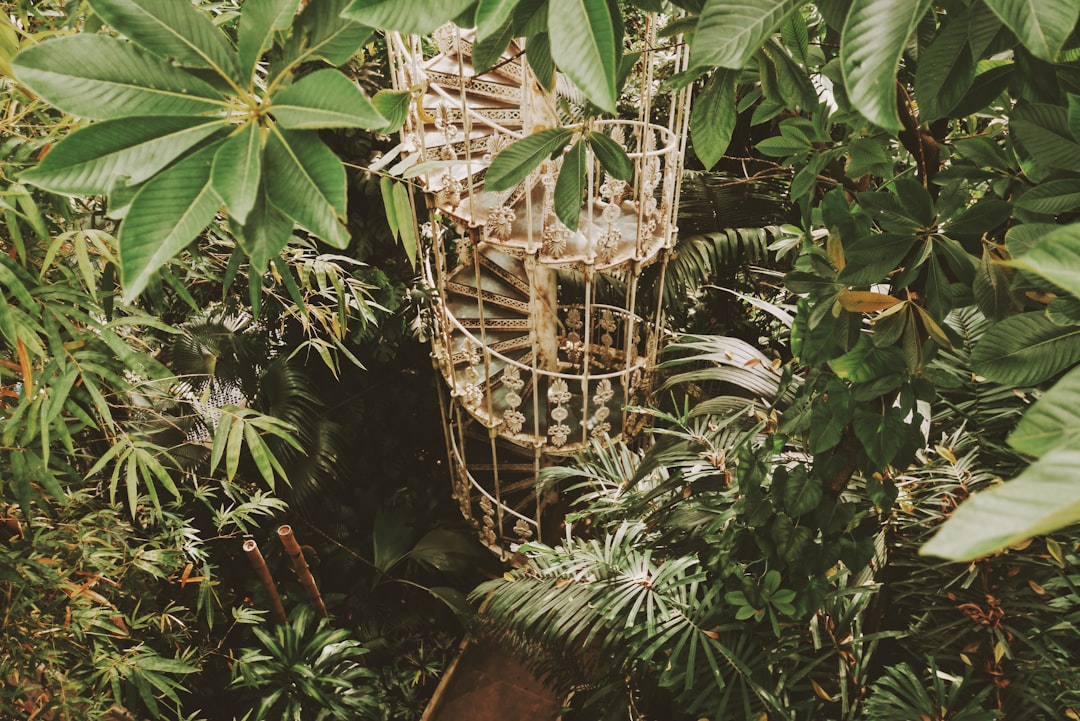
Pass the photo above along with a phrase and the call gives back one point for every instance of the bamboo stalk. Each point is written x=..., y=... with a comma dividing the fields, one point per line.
x=251, y=550
x=303, y=573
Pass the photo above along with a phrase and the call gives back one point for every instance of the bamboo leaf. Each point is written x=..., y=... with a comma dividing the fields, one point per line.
x=172, y=29
x=233, y=447
x=307, y=182
x=404, y=214
x=100, y=77
x=165, y=215
x=521, y=157
x=236, y=170
x=260, y=454
x=873, y=41
x=324, y=99
x=585, y=47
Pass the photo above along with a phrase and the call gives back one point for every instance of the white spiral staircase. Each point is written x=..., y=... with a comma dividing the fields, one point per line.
x=537, y=365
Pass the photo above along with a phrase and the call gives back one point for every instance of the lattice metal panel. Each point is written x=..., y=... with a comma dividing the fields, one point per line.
x=540, y=332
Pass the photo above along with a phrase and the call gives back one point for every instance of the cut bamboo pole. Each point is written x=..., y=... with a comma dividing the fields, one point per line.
x=251, y=550
x=303, y=573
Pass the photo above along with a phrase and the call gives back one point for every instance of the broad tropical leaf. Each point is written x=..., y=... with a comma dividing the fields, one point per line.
x=394, y=106
x=1056, y=257
x=266, y=233
x=1026, y=349
x=320, y=33
x=406, y=16
x=91, y=159
x=237, y=169
x=324, y=99
x=584, y=47
x=1043, y=131
x=873, y=41
x=165, y=215
x=1043, y=26
x=100, y=77
x=521, y=157
x=259, y=20
x=713, y=118
x=729, y=32
x=172, y=29
x=307, y=182
x=945, y=73
x=570, y=186
x=612, y=157
x=1043, y=498
x=1052, y=421
x=491, y=14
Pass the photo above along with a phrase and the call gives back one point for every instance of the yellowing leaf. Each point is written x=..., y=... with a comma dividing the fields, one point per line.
x=1054, y=549
x=820, y=692
x=864, y=301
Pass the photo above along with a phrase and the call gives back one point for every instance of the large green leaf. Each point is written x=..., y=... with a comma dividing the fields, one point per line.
x=570, y=185
x=1043, y=26
x=1043, y=130
x=521, y=157
x=324, y=99
x=100, y=77
x=1052, y=198
x=165, y=215
x=729, y=32
x=320, y=33
x=584, y=47
x=406, y=16
x=394, y=106
x=945, y=73
x=713, y=118
x=1053, y=421
x=1044, y=498
x=259, y=19
x=1026, y=349
x=237, y=169
x=266, y=233
x=991, y=288
x=307, y=182
x=171, y=29
x=613, y=158
x=491, y=14
x=873, y=41
x=1056, y=257
x=91, y=159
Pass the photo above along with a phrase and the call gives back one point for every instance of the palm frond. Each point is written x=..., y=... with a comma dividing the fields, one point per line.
x=635, y=613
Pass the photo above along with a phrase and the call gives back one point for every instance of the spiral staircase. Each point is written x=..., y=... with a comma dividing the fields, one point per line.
x=539, y=330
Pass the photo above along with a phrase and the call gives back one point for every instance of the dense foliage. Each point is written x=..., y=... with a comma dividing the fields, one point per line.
x=761, y=560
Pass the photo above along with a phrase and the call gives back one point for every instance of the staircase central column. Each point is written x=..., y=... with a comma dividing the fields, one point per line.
x=545, y=315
